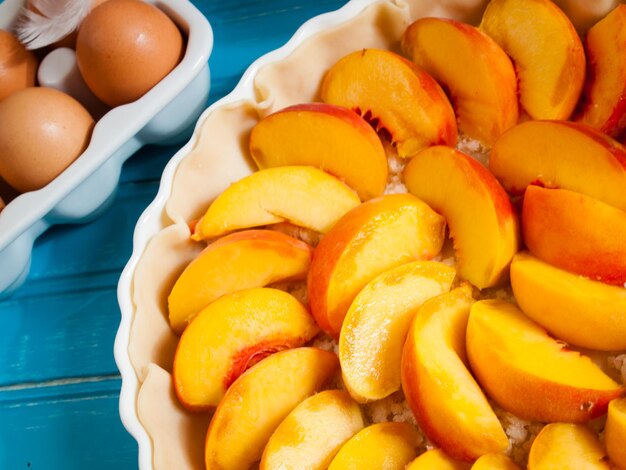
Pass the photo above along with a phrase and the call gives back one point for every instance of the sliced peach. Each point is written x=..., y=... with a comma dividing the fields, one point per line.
x=531, y=374
x=375, y=327
x=604, y=101
x=495, y=462
x=383, y=446
x=448, y=404
x=576, y=232
x=615, y=432
x=436, y=459
x=563, y=445
x=559, y=154
x=331, y=138
x=481, y=218
x=313, y=432
x=302, y=195
x=252, y=258
x=547, y=52
x=583, y=312
x=475, y=71
x=399, y=98
x=376, y=236
x=259, y=400
x=232, y=334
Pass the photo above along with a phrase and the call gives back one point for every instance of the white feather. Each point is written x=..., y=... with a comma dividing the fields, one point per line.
x=57, y=19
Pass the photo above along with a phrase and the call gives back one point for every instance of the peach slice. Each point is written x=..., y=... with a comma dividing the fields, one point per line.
x=576, y=232
x=397, y=97
x=436, y=459
x=583, y=312
x=448, y=404
x=547, y=52
x=556, y=154
x=495, y=462
x=252, y=258
x=481, y=218
x=304, y=196
x=259, y=400
x=313, y=432
x=383, y=446
x=604, y=101
x=531, y=374
x=474, y=70
x=563, y=445
x=331, y=138
x=376, y=236
x=232, y=334
x=375, y=327
x=615, y=432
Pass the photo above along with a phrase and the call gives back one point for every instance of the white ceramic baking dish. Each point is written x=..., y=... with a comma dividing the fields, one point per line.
x=213, y=158
x=163, y=115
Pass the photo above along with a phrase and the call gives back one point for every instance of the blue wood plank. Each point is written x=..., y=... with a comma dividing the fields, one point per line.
x=147, y=164
x=100, y=246
x=62, y=322
x=74, y=426
x=62, y=335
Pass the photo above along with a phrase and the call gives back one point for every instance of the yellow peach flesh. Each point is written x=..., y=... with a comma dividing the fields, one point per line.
x=252, y=258
x=494, y=462
x=480, y=80
x=376, y=236
x=448, y=404
x=313, y=432
x=304, y=196
x=482, y=221
x=259, y=400
x=531, y=374
x=403, y=99
x=548, y=54
x=605, y=92
x=559, y=154
x=581, y=311
x=560, y=445
x=375, y=327
x=436, y=459
x=331, y=138
x=230, y=335
x=382, y=446
x=615, y=432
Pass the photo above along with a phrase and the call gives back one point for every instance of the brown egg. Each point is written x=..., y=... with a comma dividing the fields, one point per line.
x=124, y=48
x=42, y=131
x=18, y=66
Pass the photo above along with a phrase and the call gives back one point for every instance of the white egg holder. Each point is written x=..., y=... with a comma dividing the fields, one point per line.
x=164, y=115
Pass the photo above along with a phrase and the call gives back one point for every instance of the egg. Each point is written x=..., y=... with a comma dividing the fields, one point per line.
x=124, y=48
x=18, y=66
x=42, y=131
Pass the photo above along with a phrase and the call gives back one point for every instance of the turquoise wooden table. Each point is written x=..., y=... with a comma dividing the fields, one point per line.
x=59, y=386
